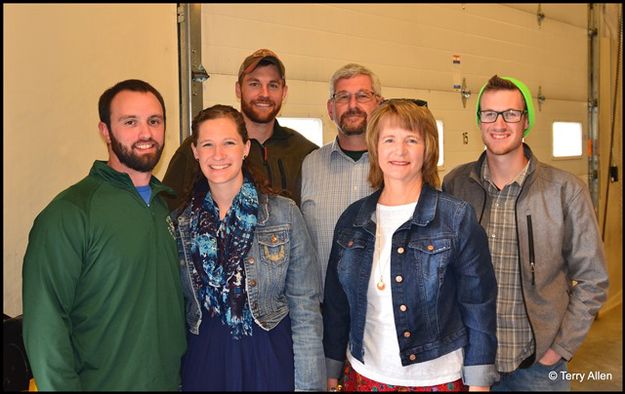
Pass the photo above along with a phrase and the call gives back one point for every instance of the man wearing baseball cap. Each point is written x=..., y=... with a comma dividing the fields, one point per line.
x=544, y=241
x=276, y=152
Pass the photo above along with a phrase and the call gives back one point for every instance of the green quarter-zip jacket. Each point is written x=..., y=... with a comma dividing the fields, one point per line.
x=103, y=306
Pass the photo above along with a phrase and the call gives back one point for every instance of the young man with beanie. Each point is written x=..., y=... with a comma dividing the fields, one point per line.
x=544, y=241
x=276, y=153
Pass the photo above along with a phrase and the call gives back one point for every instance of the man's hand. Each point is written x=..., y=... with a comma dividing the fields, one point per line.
x=550, y=358
x=332, y=383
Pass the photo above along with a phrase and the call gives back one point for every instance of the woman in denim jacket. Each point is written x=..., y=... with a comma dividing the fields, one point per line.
x=250, y=283
x=410, y=289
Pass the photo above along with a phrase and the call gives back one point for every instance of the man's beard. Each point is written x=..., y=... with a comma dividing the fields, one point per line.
x=142, y=163
x=256, y=117
x=359, y=129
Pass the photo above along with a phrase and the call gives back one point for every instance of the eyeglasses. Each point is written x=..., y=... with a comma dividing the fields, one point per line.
x=362, y=97
x=419, y=102
x=509, y=116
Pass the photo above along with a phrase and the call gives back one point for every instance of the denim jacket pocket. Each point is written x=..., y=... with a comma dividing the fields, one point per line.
x=274, y=247
x=351, y=257
x=349, y=240
x=432, y=256
x=350, y=244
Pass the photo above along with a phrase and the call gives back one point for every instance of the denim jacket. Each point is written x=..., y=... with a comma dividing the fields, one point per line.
x=443, y=285
x=282, y=277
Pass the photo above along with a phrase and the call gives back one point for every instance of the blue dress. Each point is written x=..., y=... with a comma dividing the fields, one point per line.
x=215, y=361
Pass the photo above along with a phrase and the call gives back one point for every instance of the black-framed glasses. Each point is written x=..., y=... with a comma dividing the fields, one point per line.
x=509, y=116
x=419, y=102
x=362, y=97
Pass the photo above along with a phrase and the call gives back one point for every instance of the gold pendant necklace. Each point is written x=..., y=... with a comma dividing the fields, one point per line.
x=380, y=284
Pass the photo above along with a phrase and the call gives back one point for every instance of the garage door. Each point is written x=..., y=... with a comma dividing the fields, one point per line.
x=434, y=52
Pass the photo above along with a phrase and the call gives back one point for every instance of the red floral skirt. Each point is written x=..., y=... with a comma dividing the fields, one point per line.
x=353, y=381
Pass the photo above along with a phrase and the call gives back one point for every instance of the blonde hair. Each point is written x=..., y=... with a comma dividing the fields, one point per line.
x=407, y=115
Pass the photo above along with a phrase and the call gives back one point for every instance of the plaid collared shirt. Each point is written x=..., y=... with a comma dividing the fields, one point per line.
x=331, y=181
x=514, y=334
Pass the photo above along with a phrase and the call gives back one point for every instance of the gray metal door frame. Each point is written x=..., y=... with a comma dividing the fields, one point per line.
x=191, y=72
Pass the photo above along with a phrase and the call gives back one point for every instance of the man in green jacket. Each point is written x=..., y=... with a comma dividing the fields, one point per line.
x=276, y=153
x=103, y=307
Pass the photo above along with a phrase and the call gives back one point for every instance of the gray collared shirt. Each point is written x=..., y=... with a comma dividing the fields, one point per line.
x=514, y=333
x=331, y=181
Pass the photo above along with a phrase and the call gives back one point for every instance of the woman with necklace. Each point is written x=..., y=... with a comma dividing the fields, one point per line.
x=250, y=283
x=410, y=290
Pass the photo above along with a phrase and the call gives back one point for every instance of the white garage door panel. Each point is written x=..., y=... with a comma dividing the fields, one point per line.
x=410, y=47
x=569, y=13
x=406, y=40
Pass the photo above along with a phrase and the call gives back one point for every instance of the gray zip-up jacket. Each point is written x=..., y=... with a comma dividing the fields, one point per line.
x=563, y=270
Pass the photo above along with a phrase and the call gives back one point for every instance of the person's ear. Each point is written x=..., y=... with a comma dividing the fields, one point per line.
x=330, y=106
x=104, y=131
x=237, y=89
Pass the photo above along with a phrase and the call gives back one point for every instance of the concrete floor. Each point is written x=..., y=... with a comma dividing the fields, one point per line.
x=600, y=358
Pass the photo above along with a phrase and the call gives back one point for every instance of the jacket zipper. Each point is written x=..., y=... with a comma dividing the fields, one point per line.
x=282, y=173
x=516, y=226
x=485, y=195
x=189, y=275
x=530, y=239
x=266, y=164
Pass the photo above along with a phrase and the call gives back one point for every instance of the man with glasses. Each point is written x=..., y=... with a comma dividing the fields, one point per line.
x=543, y=238
x=335, y=175
x=276, y=152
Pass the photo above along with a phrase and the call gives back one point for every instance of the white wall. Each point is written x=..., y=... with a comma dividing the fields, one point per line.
x=58, y=59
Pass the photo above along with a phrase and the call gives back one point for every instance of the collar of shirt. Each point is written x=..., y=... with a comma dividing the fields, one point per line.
x=336, y=151
x=519, y=179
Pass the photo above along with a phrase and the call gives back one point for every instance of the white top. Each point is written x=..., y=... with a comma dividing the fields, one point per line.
x=381, y=347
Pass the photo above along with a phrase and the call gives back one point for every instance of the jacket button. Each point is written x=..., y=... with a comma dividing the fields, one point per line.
x=251, y=260
x=252, y=282
x=407, y=334
x=350, y=244
x=430, y=248
x=274, y=239
x=403, y=308
x=400, y=250
x=399, y=279
x=412, y=357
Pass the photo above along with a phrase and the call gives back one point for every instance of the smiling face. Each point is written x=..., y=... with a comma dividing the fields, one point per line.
x=220, y=151
x=401, y=153
x=503, y=138
x=261, y=93
x=137, y=132
x=351, y=117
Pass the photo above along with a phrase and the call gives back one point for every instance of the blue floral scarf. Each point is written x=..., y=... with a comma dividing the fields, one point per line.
x=217, y=253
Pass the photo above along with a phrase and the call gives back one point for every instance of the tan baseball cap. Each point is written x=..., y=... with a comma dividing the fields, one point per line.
x=251, y=62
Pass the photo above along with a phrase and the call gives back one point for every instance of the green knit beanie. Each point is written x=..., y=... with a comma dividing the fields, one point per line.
x=527, y=95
